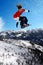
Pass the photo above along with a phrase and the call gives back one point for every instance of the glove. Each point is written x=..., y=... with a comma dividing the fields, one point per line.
x=17, y=24
x=28, y=10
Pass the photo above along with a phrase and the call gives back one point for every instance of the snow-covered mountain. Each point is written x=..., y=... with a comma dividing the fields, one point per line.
x=21, y=47
x=34, y=36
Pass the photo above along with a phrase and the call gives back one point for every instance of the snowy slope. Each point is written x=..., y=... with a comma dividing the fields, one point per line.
x=17, y=53
x=21, y=48
x=11, y=54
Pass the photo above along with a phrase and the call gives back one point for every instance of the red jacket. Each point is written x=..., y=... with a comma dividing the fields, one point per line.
x=18, y=13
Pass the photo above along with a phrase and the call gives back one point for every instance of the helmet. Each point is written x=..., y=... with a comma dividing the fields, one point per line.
x=19, y=6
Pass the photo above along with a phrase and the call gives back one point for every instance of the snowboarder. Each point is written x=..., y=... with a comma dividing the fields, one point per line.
x=17, y=16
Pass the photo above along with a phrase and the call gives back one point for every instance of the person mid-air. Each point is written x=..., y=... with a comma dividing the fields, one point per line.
x=18, y=16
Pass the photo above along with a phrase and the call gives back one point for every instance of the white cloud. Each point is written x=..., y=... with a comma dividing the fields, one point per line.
x=1, y=23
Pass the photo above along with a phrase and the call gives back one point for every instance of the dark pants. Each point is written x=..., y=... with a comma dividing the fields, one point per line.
x=23, y=20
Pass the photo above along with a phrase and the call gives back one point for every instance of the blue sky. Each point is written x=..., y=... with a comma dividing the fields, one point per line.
x=8, y=8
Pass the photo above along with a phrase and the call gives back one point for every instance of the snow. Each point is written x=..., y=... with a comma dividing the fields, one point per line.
x=22, y=30
x=18, y=35
x=9, y=53
x=4, y=54
x=27, y=43
x=39, y=47
x=4, y=34
x=18, y=51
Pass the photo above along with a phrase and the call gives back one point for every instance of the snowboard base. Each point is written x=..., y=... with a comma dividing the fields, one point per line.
x=26, y=25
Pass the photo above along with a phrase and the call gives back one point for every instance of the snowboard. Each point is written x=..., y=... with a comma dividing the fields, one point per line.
x=25, y=25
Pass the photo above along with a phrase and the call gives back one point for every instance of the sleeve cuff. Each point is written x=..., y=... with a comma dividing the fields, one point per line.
x=26, y=10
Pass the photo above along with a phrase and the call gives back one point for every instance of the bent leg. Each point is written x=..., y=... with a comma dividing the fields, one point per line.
x=23, y=21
